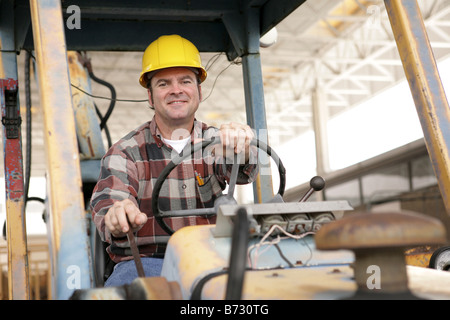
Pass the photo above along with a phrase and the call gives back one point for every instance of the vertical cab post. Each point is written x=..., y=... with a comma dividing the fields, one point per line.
x=244, y=32
x=18, y=280
x=67, y=220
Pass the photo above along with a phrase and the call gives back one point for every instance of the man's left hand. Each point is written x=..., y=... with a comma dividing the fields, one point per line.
x=236, y=138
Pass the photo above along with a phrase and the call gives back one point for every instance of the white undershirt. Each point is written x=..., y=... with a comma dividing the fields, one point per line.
x=178, y=145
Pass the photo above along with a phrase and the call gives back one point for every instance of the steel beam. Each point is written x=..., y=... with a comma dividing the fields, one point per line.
x=68, y=233
x=426, y=86
x=18, y=280
x=243, y=29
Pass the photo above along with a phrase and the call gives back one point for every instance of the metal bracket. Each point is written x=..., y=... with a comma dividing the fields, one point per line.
x=224, y=225
x=11, y=120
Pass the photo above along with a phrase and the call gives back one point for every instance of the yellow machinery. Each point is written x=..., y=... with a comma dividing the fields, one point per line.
x=346, y=256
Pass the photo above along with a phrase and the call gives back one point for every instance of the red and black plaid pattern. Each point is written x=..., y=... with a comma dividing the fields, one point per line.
x=131, y=167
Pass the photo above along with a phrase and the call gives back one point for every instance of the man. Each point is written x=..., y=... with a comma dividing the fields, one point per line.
x=172, y=73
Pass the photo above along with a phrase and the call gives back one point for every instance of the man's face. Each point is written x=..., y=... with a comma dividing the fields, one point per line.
x=175, y=95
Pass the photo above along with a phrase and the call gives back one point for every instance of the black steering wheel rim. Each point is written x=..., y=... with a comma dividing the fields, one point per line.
x=189, y=150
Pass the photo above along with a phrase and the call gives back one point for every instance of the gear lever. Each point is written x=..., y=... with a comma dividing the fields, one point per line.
x=317, y=183
x=135, y=252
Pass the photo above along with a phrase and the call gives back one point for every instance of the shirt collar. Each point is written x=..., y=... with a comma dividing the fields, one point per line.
x=196, y=133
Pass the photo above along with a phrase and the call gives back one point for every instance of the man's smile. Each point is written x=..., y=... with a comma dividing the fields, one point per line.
x=175, y=102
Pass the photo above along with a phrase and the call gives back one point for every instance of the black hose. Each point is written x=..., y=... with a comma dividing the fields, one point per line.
x=28, y=121
x=28, y=57
x=238, y=255
x=112, y=101
x=197, y=292
x=106, y=129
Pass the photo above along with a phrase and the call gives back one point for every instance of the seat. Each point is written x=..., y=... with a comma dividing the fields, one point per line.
x=103, y=265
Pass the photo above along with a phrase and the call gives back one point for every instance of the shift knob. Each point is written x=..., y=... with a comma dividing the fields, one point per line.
x=317, y=183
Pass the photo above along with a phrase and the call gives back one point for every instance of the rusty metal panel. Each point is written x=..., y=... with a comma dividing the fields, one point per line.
x=16, y=229
x=19, y=287
x=419, y=256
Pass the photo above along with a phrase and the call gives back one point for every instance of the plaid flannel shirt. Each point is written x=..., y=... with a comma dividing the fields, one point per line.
x=131, y=167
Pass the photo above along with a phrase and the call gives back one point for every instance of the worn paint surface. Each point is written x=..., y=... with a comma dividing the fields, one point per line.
x=381, y=230
x=426, y=87
x=15, y=216
x=69, y=240
x=87, y=124
x=419, y=256
x=194, y=253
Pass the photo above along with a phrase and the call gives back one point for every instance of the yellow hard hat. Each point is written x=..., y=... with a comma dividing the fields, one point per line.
x=170, y=51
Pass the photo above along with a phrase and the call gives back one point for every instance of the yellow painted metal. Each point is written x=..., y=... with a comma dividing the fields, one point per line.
x=192, y=258
x=419, y=256
x=18, y=269
x=259, y=187
x=421, y=71
x=87, y=125
x=158, y=288
x=324, y=283
x=418, y=260
x=193, y=254
x=69, y=243
x=18, y=280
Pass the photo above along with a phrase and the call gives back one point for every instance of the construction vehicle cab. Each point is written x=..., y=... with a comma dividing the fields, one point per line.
x=221, y=261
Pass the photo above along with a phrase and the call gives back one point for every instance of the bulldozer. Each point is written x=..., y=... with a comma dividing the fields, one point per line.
x=268, y=250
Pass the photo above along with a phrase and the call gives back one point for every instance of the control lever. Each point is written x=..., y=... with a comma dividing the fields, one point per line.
x=135, y=252
x=317, y=183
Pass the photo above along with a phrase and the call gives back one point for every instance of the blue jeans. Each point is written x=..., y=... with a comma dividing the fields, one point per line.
x=125, y=272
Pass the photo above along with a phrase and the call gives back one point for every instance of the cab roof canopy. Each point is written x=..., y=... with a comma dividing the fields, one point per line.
x=214, y=26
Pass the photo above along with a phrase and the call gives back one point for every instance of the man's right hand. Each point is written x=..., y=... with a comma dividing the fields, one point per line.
x=123, y=214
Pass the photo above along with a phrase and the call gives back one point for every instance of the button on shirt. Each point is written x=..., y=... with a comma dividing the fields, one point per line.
x=131, y=167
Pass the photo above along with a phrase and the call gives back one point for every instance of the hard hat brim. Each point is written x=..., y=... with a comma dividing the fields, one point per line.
x=144, y=78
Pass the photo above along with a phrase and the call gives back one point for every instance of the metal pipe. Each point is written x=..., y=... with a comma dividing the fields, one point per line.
x=68, y=232
x=426, y=86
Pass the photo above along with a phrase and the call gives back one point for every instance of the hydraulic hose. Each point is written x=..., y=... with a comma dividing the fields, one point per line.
x=28, y=121
x=100, y=116
x=112, y=101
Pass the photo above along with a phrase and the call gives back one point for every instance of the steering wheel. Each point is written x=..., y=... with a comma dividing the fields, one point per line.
x=189, y=150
